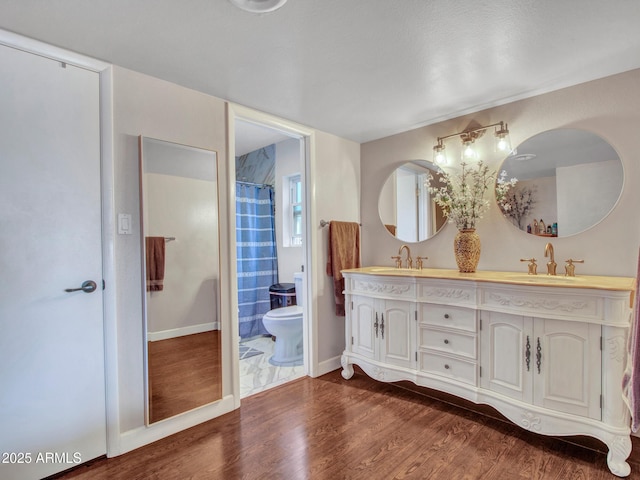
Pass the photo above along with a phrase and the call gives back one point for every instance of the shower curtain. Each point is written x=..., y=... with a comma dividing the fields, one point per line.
x=256, y=255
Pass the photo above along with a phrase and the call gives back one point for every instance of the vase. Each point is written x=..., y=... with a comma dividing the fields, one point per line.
x=466, y=247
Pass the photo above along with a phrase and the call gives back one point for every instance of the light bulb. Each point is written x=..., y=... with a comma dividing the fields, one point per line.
x=503, y=143
x=468, y=152
x=439, y=155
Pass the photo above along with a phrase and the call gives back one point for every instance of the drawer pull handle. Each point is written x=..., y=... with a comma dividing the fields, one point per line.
x=446, y=315
x=446, y=366
x=446, y=341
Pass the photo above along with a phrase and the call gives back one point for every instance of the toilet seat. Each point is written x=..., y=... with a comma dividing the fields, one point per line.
x=284, y=313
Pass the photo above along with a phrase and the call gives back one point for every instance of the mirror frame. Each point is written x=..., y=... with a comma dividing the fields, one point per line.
x=216, y=292
x=584, y=141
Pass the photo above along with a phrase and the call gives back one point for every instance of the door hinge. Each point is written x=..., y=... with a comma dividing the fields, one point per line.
x=480, y=324
x=351, y=304
x=480, y=371
x=601, y=344
x=601, y=402
x=351, y=340
x=416, y=356
x=416, y=315
x=105, y=286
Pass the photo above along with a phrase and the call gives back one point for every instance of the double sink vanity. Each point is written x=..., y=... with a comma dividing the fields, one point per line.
x=548, y=352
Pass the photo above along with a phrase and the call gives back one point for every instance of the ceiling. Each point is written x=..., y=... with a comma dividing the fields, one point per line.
x=360, y=69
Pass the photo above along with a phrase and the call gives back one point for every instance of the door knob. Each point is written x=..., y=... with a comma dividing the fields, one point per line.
x=88, y=286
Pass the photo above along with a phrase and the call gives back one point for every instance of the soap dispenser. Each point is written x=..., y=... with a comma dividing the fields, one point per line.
x=542, y=227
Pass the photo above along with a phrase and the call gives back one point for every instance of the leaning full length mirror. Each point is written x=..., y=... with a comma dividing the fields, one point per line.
x=179, y=209
x=405, y=205
x=568, y=181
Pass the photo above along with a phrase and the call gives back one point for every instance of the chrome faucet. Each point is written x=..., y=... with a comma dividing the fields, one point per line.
x=409, y=259
x=551, y=264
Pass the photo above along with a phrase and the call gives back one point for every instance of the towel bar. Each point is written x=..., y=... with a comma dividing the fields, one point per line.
x=324, y=223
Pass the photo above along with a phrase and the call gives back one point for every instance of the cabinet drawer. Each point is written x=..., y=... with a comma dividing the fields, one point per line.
x=444, y=366
x=450, y=317
x=449, y=342
x=372, y=287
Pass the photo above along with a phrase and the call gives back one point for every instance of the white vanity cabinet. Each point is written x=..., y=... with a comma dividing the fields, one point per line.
x=547, y=353
x=554, y=364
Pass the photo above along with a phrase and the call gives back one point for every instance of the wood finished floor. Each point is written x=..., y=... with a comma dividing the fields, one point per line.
x=331, y=428
x=184, y=373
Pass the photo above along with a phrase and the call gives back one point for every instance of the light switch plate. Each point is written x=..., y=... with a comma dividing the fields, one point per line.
x=124, y=224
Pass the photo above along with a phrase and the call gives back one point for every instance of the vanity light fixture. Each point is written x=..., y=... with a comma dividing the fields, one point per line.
x=468, y=138
x=258, y=6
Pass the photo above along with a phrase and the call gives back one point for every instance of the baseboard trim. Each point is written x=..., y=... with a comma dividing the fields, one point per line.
x=328, y=366
x=182, y=331
x=148, y=434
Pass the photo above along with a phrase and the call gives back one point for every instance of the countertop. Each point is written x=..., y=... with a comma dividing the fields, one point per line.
x=625, y=284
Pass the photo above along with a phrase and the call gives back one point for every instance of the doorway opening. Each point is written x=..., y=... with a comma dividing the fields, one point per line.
x=271, y=249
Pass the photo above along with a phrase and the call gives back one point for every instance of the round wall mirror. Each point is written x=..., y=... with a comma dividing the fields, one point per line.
x=568, y=181
x=405, y=205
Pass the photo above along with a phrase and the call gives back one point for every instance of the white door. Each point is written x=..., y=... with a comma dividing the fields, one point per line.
x=52, y=398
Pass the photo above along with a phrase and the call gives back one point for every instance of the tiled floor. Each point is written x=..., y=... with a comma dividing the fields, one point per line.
x=257, y=374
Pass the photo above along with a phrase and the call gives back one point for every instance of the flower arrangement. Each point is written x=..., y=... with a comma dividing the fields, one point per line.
x=462, y=195
x=518, y=204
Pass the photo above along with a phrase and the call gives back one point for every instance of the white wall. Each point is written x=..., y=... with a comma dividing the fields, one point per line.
x=609, y=107
x=335, y=193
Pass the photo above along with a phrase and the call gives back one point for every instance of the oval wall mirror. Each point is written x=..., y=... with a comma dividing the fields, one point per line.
x=180, y=252
x=405, y=206
x=568, y=181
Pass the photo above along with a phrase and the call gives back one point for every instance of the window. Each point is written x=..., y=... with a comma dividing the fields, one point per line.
x=293, y=212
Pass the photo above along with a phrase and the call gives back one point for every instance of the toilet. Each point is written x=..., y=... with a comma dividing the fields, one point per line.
x=286, y=325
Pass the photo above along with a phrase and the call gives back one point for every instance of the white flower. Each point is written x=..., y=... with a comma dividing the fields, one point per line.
x=462, y=196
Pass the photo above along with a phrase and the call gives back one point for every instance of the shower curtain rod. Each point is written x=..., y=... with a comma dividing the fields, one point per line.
x=255, y=184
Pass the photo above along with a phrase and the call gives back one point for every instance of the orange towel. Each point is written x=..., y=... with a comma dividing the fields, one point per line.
x=154, y=247
x=392, y=229
x=344, y=252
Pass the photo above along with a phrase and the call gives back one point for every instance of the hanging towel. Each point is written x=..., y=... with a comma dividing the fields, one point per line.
x=631, y=377
x=154, y=247
x=344, y=252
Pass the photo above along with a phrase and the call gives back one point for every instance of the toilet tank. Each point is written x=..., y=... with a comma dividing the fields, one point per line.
x=297, y=281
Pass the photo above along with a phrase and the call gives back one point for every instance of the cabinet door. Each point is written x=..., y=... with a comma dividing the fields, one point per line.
x=507, y=355
x=569, y=377
x=397, y=333
x=363, y=335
